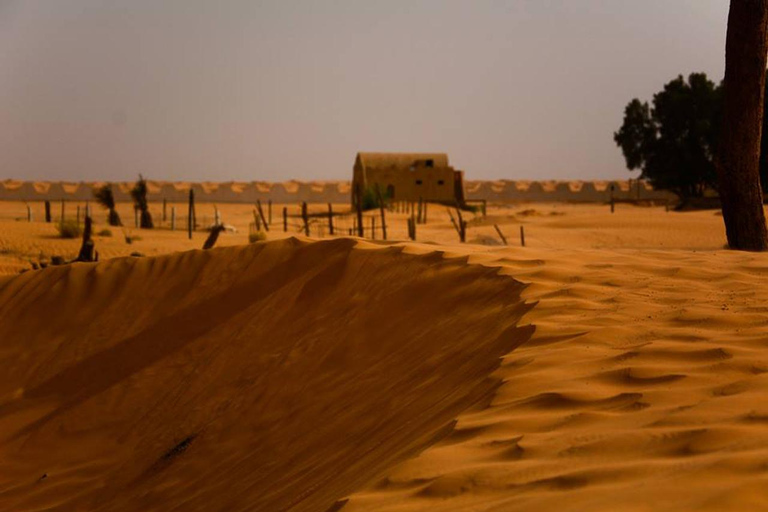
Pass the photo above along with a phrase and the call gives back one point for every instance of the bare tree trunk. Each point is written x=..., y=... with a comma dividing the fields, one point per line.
x=738, y=157
x=87, y=248
x=213, y=237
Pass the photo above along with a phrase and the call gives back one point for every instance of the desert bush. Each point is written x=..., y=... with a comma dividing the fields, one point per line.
x=257, y=236
x=370, y=199
x=104, y=232
x=68, y=229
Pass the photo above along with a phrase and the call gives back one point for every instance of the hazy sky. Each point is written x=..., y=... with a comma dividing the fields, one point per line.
x=271, y=90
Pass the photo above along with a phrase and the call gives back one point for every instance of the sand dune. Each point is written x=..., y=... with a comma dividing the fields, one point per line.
x=312, y=376
x=265, y=377
x=644, y=388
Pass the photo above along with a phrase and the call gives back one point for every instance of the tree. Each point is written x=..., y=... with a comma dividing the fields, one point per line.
x=139, y=195
x=673, y=142
x=738, y=157
x=106, y=198
x=764, y=143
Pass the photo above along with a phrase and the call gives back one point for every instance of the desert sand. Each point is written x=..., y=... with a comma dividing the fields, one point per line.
x=617, y=362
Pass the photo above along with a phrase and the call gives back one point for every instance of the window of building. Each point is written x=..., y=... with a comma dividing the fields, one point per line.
x=440, y=182
x=430, y=163
x=418, y=182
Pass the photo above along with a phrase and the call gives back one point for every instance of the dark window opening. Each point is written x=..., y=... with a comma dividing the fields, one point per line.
x=440, y=182
x=430, y=163
x=418, y=182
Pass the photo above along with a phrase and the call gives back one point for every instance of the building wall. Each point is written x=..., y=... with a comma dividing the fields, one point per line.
x=430, y=184
x=336, y=192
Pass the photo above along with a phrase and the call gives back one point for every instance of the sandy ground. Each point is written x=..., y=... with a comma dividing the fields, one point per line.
x=551, y=226
x=643, y=386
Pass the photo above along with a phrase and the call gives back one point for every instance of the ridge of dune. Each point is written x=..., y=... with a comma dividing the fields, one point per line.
x=274, y=376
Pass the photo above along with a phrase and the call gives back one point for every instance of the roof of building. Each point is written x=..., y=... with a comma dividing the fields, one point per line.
x=400, y=161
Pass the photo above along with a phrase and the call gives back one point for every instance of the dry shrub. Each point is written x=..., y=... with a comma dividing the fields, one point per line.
x=257, y=236
x=69, y=229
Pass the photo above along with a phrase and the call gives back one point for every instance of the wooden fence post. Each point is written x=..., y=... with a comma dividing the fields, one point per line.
x=285, y=219
x=256, y=220
x=381, y=211
x=165, y=203
x=261, y=214
x=418, y=216
x=305, y=216
x=29, y=213
x=522, y=236
x=462, y=225
x=47, y=211
x=501, y=235
x=269, y=210
x=173, y=218
x=194, y=214
x=359, y=208
x=453, y=221
x=612, y=200
x=191, y=214
x=330, y=219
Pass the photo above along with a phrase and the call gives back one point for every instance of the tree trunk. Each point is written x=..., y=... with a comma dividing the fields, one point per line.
x=738, y=157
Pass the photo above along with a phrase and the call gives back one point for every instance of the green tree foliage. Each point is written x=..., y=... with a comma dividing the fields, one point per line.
x=673, y=141
x=370, y=199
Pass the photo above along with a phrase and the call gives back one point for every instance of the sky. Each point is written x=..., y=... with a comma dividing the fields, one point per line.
x=253, y=90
